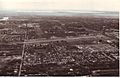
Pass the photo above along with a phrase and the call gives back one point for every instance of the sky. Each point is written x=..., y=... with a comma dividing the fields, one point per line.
x=31, y=5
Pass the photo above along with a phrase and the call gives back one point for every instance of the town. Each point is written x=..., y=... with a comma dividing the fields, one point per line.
x=59, y=46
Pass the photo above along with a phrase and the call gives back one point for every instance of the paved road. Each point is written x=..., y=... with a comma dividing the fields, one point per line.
x=59, y=39
x=23, y=52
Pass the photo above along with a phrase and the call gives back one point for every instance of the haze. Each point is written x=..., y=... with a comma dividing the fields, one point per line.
x=31, y=5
